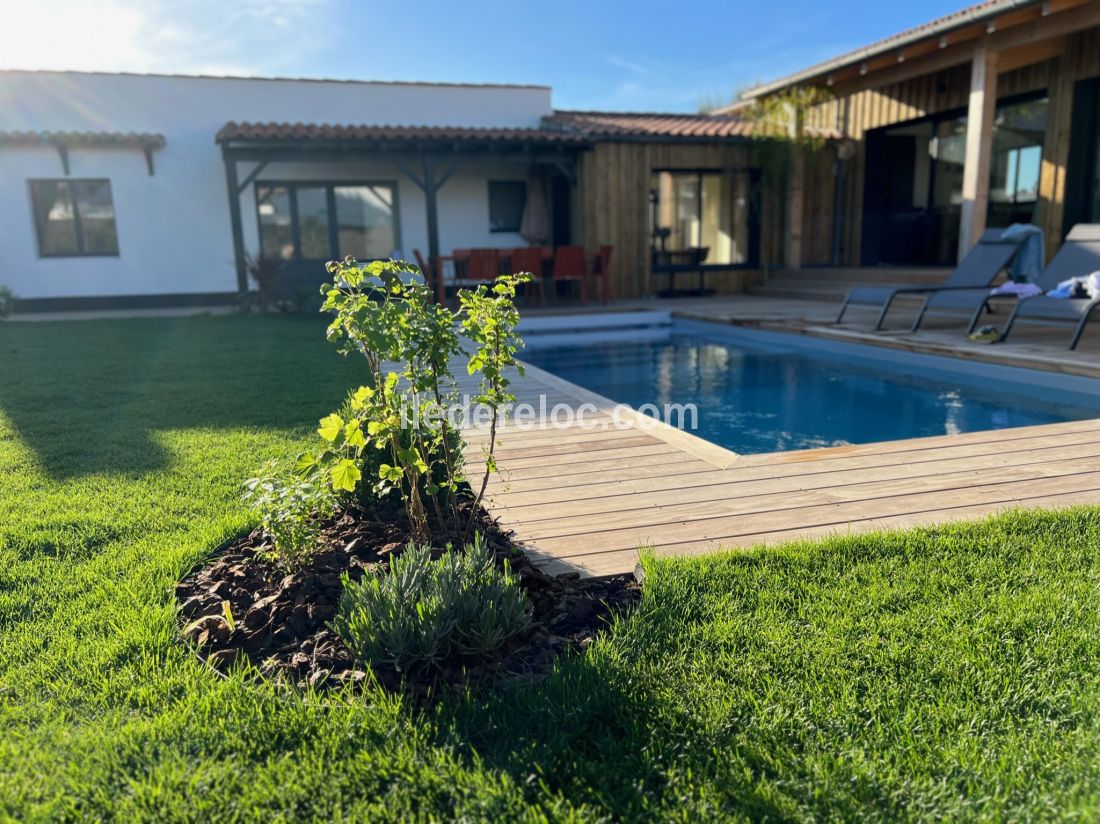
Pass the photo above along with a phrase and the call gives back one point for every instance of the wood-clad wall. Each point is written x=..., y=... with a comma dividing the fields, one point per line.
x=944, y=91
x=612, y=206
x=611, y=202
x=1081, y=60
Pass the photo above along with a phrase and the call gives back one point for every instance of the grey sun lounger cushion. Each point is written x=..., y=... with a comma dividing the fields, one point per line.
x=1081, y=258
x=1079, y=255
x=989, y=257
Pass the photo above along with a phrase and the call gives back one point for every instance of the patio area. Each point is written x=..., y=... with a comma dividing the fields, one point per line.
x=1032, y=346
x=585, y=499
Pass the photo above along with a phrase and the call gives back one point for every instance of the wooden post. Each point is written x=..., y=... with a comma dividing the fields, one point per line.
x=235, y=222
x=792, y=253
x=431, y=186
x=979, y=146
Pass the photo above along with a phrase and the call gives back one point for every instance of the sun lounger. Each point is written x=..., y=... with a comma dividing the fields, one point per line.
x=989, y=257
x=1084, y=255
x=1079, y=255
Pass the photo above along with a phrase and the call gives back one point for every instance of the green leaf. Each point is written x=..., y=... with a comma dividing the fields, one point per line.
x=389, y=473
x=330, y=427
x=354, y=435
x=345, y=475
x=305, y=463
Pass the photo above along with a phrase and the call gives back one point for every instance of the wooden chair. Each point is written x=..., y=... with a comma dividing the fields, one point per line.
x=529, y=259
x=570, y=266
x=432, y=277
x=460, y=259
x=603, y=269
x=483, y=264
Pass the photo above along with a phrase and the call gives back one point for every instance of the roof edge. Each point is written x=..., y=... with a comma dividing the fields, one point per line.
x=278, y=79
x=960, y=19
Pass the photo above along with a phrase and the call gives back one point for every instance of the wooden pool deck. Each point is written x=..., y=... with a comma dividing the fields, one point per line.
x=584, y=499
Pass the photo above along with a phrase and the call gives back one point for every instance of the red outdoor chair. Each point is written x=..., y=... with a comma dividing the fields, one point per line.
x=603, y=269
x=570, y=266
x=483, y=264
x=529, y=259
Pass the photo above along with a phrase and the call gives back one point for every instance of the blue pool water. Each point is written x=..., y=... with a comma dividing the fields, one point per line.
x=755, y=396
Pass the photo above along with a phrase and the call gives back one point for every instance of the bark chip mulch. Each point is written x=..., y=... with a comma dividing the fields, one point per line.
x=240, y=606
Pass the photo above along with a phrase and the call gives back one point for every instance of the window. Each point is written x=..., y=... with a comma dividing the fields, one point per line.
x=704, y=210
x=1018, y=132
x=326, y=221
x=74, y=217
x=506, y=199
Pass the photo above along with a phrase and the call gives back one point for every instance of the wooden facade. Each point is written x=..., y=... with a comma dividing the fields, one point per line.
x=1039, y=49
x=613, y=207
x=1051, y=67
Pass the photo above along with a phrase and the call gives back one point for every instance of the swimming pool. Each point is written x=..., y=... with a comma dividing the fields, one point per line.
x=767, y=392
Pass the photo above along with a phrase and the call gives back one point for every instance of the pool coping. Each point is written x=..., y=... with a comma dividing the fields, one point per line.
x=886, y=340
x=585, y=501
x=694, y=445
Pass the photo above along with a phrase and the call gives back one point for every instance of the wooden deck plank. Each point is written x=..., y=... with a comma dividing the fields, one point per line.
x=597, y=446
x=667, y=536
x=560, y=463
x=998, y=436
x=583, y=498
x=690, y=513
x=584, y=476
x=707, y=487
x=583, y=486
x=621, y=561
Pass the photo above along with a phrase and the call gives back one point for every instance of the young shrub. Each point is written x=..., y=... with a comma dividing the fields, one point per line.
x=290, y=509
x=264, y=271
x=422, y=611
x=384, y=312
x=489, y=320
x=7, y=302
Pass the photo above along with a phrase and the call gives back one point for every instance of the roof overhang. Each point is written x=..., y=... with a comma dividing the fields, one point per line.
x=350, y=138
x=951, y=38
x=146, y=142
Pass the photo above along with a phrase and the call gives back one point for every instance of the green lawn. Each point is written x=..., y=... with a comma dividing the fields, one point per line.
x=949, y=673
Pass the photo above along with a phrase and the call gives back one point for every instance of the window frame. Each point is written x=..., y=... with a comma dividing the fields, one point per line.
x=519, y=222
x=330, y=186
x=754, y=216
x=78, y=227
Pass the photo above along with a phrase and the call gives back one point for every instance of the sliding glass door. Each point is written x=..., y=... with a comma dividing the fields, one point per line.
x=315, y=222
x=1082, y=192
x=912, y=202
x=706, y=210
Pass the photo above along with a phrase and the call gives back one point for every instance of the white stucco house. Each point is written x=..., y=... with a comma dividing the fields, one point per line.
x=124, y=189
x=139, y=190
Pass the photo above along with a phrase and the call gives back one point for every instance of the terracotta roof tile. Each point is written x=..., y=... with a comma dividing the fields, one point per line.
x=647, y=124
x=327, y=132
x=654, y=125
x=563, y=126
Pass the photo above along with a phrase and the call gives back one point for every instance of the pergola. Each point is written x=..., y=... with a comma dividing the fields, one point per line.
x=146, y=142
x=427, y=155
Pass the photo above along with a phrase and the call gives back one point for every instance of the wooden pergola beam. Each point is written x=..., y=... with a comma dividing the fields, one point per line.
x=1025, y=27
x=233, y=187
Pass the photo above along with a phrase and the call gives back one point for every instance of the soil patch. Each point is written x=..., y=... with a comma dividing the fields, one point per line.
x=240, y=606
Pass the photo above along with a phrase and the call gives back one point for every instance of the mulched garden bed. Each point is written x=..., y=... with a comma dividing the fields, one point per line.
x=240, y=606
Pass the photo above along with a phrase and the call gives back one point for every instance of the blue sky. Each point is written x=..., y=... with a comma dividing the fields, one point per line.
x=642, y=55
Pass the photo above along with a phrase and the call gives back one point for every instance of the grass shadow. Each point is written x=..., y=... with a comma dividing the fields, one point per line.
x=88, y=396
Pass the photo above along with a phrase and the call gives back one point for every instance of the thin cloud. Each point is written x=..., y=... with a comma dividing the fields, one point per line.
x=628, y=65
x=206, y=36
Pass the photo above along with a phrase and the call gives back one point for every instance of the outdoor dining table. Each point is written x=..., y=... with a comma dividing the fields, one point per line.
x=671, y=263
